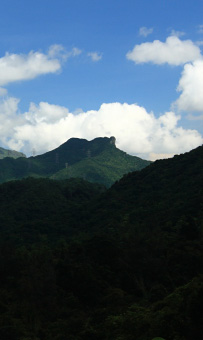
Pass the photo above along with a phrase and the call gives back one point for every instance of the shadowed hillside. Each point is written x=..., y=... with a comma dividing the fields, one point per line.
x=78, y=261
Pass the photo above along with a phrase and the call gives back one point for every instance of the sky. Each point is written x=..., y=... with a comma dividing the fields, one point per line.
x=132, y=69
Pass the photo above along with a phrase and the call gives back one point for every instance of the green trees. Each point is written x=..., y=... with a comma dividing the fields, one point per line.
x=98, y=161
x=78, y=261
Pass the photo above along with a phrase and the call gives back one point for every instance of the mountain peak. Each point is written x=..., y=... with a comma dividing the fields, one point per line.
x=113, y=140
x=78, y=148
x=98, y=140
x=98, y=160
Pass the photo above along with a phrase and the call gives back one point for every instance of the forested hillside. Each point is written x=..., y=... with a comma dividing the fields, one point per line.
x=10, y=153
x=78, y=261
x=98, y=161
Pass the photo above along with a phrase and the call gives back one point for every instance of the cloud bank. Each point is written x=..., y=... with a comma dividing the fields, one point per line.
x=45, y=126
x=173, y=52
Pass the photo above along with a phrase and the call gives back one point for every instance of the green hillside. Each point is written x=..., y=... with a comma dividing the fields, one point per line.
x=106, y=167
x=78, y=261
x=169, y=189
x=10, y=153
x=98, y=161
x=35, y=208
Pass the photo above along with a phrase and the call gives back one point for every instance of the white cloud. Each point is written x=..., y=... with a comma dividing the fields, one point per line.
x=75, y=51
x=155, y=156
x=45, y=126
x=194, y=117
x=200, y=29
x=15, y=67
x=173, y=52
x=191, y=88
x=56, y=51
x=59, y=51
x=144, y=31
x=3, y=92
x=45, y=112
x=95, y=56
x=177, y=33
x=18, y=67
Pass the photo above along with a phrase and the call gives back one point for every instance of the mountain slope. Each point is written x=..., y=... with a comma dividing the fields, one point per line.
x=78, y=261
x=34, y=207
x=105, y=167
x=98, y=161
x=167, y=189
x=10, y=153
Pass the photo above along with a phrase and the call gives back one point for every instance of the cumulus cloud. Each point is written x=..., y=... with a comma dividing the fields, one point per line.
x=45, y=126
x=191, y=88
x=95, y=56
x=173, y=52
x=144, y=31
x=18, y=67
x=46, y=113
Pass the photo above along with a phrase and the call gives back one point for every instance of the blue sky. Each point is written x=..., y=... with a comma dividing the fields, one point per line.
x=93, y=68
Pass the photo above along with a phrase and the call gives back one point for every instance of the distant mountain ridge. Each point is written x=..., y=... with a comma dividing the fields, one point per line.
x=10, y=153
x=96, y=161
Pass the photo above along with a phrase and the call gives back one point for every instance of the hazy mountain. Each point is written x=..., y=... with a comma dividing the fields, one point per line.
x=10, y=153
x=97, y=161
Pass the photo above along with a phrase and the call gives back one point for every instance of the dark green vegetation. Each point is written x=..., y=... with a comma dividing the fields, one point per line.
x=81, y=262
x=10, y=153
x=96, y=161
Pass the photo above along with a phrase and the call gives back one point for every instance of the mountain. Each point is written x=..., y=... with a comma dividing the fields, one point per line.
x=10, y=153
x=100, y=162
x=169, y=189
x=79, y=261
x=97, y=161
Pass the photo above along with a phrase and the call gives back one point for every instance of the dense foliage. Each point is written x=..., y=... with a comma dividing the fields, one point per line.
x=96, y=161
x=78, y=261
